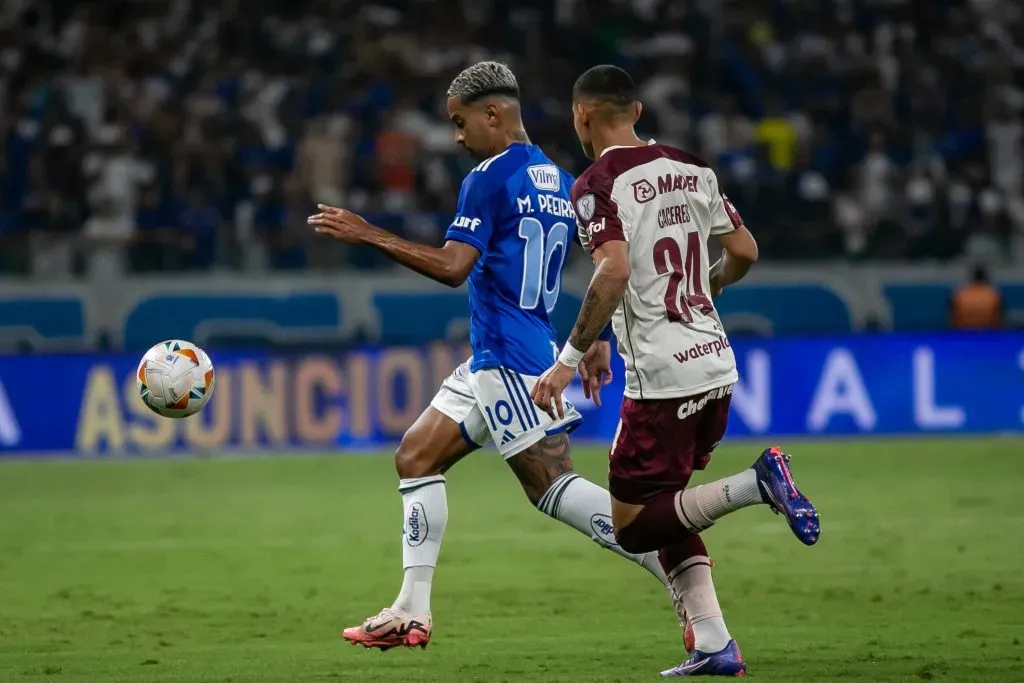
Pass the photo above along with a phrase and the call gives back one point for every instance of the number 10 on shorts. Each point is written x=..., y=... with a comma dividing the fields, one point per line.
x=502, y=411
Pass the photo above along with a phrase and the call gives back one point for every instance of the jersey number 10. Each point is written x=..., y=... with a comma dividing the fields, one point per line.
x=543, y=259
x=686, y=275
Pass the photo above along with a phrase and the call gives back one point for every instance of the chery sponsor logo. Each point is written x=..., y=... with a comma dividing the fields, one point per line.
x=692, y=407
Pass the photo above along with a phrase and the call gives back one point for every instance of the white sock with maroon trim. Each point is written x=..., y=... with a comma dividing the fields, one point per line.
x=692, y=582
x=702, y=506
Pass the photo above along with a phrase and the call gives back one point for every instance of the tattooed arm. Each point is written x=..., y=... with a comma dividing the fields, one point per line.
x=601, y=230
x=611, y=277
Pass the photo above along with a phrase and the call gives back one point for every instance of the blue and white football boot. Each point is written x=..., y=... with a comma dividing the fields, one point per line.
x=727, y=662
x=778, y=490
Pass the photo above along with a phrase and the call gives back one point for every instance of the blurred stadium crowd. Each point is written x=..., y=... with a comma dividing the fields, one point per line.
x=167, y=134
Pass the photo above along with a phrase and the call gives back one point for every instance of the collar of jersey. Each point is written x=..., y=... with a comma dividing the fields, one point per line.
x=652, y=141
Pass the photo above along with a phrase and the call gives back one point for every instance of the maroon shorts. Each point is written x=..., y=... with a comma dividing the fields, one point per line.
x=660, y=443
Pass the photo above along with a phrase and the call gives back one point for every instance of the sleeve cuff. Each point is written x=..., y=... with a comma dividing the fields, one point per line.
x=456, y=236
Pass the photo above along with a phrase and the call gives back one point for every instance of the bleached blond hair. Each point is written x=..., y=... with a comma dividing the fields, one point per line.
x=483, y=79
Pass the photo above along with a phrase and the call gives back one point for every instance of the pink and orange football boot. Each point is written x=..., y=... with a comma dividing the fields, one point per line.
x=391, y=628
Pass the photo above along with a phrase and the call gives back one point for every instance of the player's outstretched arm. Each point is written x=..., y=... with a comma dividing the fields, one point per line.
x=611, y=277
x=450, y=265
x=739, y=255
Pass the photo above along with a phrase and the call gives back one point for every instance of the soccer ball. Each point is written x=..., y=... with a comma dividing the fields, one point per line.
x=175, y=378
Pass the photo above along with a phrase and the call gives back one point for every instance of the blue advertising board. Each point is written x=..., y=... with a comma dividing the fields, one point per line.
x=857, y=385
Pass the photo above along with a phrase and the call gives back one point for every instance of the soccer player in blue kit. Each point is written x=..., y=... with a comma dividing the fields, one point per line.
x=509, y=239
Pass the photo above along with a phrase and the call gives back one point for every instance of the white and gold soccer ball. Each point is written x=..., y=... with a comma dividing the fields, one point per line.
x=175, y=378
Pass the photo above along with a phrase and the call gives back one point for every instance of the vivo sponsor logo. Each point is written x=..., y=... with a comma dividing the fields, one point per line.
x=416, y=527
x=545, y=177
x=603, y=529
x=692, y=407
x=466, y=223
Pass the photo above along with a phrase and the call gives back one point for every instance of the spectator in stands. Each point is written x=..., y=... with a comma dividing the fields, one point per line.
x=725, y=134
x=977, y=305
x=154, y=245
x=200, y=224
x=849, y=214
x=323, y=157
x=56, y=227
x=280, y=221
x=1005, y=135
x=396, y=155
x=115, y=173
x=14, y=255
x=877, y=179
x=785, y=98
x=107, y=233
x=777, y=133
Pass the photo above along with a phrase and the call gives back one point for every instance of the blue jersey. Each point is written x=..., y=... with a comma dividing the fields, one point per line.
x=515, y=209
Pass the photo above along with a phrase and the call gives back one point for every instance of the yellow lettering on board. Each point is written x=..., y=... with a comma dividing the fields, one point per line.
x=263, y=401
x=393, y=419
x=315, y=376
x=99, y=418
x=359, y=424
x=210, y=428
x=147, y=430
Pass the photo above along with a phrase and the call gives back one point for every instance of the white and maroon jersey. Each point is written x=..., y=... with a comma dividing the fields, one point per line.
x=664, y=203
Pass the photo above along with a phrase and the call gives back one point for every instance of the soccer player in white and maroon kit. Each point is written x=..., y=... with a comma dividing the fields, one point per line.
x=646, y=212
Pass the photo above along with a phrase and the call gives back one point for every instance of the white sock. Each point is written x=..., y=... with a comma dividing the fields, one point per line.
x=426, y=515
x=692, y=583
x=587, y=507
x=703, y=505
x=415, y=594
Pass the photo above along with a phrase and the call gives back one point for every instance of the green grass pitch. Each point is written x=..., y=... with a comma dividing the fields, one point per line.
x=246, y=569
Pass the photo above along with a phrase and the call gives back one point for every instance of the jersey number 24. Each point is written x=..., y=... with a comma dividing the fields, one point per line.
x=685, y=275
